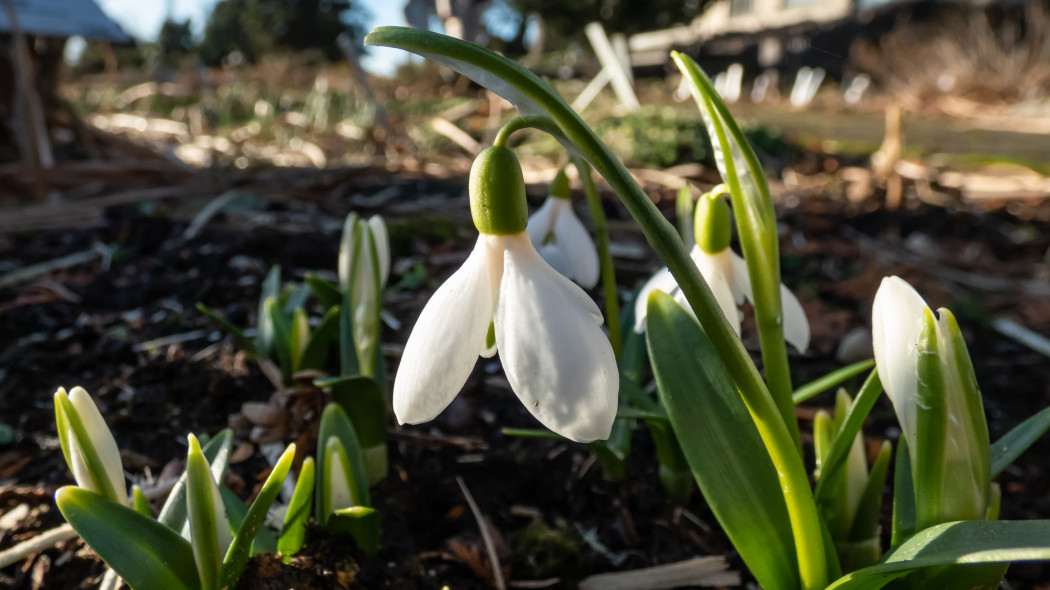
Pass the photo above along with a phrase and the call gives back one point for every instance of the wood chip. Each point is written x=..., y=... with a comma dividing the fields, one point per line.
x=700, y=571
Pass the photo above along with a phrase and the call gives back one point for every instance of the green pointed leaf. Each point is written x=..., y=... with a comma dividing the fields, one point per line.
x=237, y=556
x=866, y=523
x=293, y=532
x=320, y=341
x=903, y=496
x=282, y=336
x=1007, y=449
x=242, y=341
x=264, y=330
x=851, y=426
x=237, y=510
x=967, y=542
x=298, y=338
x=756, y=225
x=210, y=531
x=832, y=379
x=144, y=552
x=335, y=423
x=217, y=452
x=294, y=297
x=139, y=502
x=326, y=292
x=721, y=444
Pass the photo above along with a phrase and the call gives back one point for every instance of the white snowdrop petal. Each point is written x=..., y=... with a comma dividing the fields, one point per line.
x=716, y=270
x=741, y=280
x=577, y=247
x=661, y=281
x=554, y=255
x=896, y=326
x=556, y=357
x=382, y=242
x=796, y=324
x=101, y=439
x=542, y=221
x=445, y=342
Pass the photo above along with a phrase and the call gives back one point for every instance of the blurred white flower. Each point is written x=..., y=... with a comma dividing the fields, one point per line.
x=726, y=274
x=563, y=242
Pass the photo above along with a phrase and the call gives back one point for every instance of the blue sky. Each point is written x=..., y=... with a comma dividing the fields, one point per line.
x=143, y=19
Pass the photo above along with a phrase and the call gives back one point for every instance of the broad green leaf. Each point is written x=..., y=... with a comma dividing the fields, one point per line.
x=294, y=297
x=364, y=402
x=264, y=331
x=326, y=292
x=320, y=341
x=144, y=552
x=359, y=522
x=237, y=556
x=832, y=379
x=851, y=425
x=293, y=531
x=242, y=341
x=210, y=531
x=966, y=542
x=721, y=444
x=236, y=509
x=335, y=423
x=1007, y=449
x=217, y=452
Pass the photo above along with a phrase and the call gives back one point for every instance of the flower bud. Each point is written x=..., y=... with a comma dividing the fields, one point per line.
x=88, y=445
x=713, y=223
x=497, y=193
x=925, y=368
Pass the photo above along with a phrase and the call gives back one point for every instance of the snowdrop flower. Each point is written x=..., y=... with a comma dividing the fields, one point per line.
x=725, y=272
x=88, y=445
x=505, y=297
x=561, y=239
x=926, y=371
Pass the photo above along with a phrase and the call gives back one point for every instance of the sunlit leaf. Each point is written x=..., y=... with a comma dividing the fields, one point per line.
x=967, y=542
x=293, y=531
x=1007, y=449
x=721, y=444
x=144, y=552
x=217, y=452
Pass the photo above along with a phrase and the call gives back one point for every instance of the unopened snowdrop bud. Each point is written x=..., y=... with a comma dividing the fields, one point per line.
x=505, y=297
x=926, y=371
x=497, y=193
x=88, y=445
x=210, y=531
x=713, y=223
x=560, y=238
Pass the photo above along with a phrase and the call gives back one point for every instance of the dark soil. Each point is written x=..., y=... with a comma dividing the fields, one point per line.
x=556, y=517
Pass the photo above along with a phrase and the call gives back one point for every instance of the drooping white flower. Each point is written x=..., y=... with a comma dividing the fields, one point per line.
x=505, y=297
x=726, y=274
x=560, y=237
x=88, y=445
x=926, y=372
